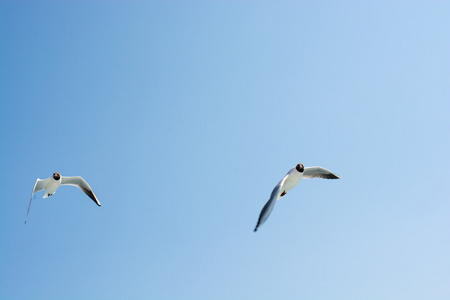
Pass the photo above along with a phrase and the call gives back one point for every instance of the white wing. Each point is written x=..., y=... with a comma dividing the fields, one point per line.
x=267, y=209
x=39, y=185
x=82, y=184
x=319, y=172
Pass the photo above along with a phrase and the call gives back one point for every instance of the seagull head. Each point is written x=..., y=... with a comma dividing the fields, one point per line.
x=300, y=168
x=56, y=176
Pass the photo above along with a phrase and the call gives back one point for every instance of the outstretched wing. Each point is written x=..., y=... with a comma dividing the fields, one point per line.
x=82, y=184
x=319, y=172
x=39, y=185
x=267, y=209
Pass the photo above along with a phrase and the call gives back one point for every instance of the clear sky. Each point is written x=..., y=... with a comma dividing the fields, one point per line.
x=183, y=116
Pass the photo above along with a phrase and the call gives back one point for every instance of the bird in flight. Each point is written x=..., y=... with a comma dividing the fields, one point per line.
x=51, y=184
x=288, y=182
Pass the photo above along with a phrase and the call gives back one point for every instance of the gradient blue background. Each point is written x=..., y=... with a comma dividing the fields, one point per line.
x=183, y=116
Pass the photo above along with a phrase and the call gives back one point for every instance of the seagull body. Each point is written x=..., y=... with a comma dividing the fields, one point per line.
x=51, y=184
x=290, y=181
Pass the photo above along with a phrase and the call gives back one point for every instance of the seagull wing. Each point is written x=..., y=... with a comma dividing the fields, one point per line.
x=82, y=184
x=319, y=172
x=39, y=185
x=267, y=209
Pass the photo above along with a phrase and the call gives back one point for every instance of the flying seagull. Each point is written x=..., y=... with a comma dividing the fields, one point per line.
x=51, y=184
x=289, y=181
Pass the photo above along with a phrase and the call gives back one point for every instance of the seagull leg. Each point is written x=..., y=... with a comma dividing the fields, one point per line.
x=283, y=193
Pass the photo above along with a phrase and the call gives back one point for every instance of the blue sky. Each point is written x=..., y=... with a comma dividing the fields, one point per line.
x=183, y=116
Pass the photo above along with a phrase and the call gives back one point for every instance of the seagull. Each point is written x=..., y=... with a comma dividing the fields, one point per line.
x=289, y=181
x=51, y=184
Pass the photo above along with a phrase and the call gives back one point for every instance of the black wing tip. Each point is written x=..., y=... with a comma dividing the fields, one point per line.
x=91, y=195
x=257, y=224
x=331, y=176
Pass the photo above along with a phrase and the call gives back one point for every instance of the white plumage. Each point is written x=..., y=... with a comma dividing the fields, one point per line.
x=51, y=184
x=290, y=181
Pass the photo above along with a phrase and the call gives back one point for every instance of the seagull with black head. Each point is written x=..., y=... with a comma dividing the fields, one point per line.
x=290, y=181
x=51, y=184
